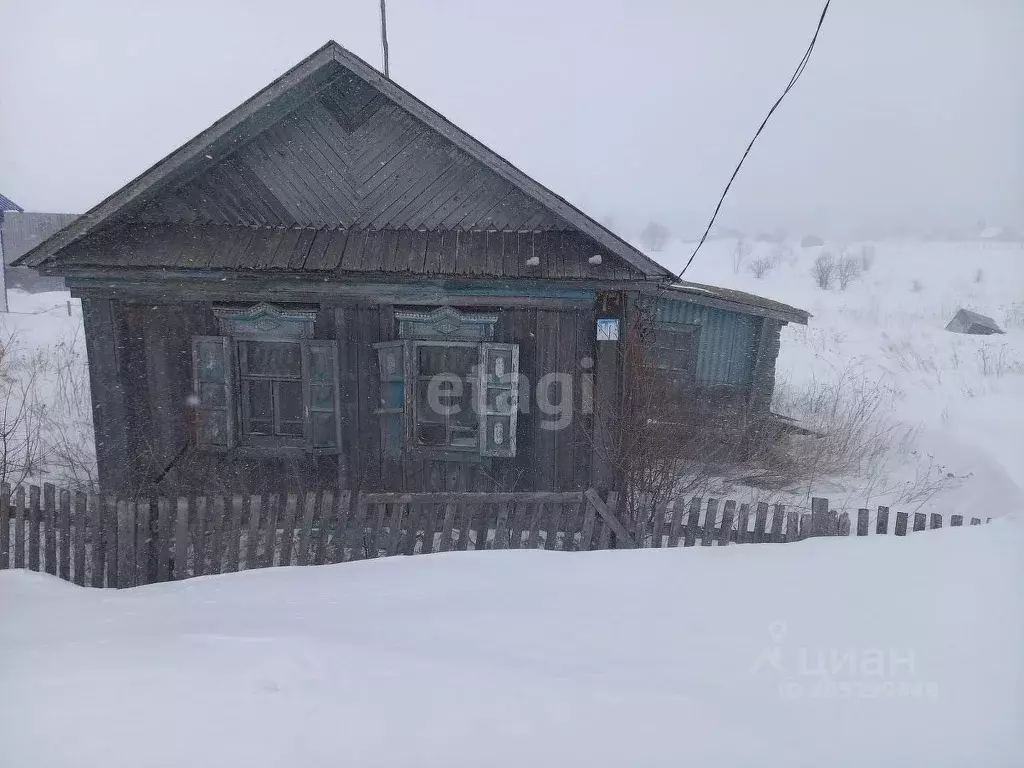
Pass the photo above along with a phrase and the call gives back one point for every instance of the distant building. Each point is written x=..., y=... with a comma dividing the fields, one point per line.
x=6, y=206
x=966, y=321
x=811, y=241
x=20, y=232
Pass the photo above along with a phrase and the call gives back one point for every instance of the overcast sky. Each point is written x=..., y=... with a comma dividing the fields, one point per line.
x=910, y=112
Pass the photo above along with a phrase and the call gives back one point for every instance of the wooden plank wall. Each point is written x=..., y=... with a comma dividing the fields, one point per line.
x=140, y=367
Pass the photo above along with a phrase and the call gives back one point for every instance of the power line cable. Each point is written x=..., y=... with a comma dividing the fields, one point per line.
x=789, y=86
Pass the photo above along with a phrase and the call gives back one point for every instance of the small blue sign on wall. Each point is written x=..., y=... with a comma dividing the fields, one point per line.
x=608, y=329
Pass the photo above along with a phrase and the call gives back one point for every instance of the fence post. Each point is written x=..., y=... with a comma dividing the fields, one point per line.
x=181, y=539
x=707, y=536
x=5, y=526
x=936, y=520
x=819, y=517
x=919, y=521
x=901, y=523
x=64, y=531
x=20, y=524
x=35, y=514
x=882, y=524
x=742, y=521
x=80, y=515
x=956, y=521
x=125, y=544
x=728, y=515
x=862, y=522
x=760, y=521
x=49, y=529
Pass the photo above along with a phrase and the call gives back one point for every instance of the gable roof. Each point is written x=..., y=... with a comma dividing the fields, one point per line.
x=6, y=204
x=199, y=182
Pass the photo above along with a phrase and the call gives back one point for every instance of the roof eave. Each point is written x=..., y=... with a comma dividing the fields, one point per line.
x=708, y=297
x=173, y=162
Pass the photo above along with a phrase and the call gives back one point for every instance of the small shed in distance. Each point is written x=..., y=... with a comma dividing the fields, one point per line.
x=966, y=321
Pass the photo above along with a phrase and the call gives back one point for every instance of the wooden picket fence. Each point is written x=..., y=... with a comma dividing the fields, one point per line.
x=116, y=541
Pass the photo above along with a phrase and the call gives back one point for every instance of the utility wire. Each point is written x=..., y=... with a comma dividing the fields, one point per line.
x=789, y=86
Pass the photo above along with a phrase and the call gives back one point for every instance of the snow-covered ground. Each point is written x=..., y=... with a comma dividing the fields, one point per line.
x=848, y=652
x=960, y=398
x=842, y=653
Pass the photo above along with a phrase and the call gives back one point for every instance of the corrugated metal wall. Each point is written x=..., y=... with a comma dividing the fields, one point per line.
x=728, y=340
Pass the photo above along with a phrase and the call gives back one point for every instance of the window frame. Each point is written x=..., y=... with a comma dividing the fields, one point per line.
x=267, y=323
x=473, y=377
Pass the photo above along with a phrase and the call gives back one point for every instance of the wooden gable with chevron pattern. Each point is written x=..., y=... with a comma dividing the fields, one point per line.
x=335, y=168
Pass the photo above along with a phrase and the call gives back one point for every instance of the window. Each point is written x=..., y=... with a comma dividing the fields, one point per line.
x=265, y=383
x=446, y=386
x=451, y=396
x=675, y=352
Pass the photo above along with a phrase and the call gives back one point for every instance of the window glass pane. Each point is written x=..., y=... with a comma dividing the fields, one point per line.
x=322, y=364
x=432, y=434
x=427, y=411
x=211, y=361
x=460, y=360
x=497, y=437
x=289, y=400
x=499, y=399
x=499, y=365
x=322, y=397
x=212, y=395
x=257, y=400
x=273, y=358
x=431, y=360
x=464, y=408
x=323, y=429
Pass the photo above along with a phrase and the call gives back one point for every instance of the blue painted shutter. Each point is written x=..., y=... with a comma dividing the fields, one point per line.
x=499, y=399
x=394, y=359
x=320, y=394
x=213, y=388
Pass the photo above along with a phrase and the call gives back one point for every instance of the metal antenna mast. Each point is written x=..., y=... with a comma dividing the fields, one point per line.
x=384, y=35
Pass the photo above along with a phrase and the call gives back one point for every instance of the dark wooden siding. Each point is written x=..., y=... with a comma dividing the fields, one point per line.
x=349, y=157
x=141, y=373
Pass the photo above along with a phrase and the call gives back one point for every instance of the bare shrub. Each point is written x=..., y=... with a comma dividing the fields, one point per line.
x=654, y=237
x=848, y=415
x=68, y=427
x=761, y=267
x=998, y=360
x=22, y=451
x=1013, y=315
x=916, y=286
x=848, y=269
x=824, y=270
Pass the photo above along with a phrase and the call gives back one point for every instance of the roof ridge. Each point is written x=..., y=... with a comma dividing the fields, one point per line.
x=189, y=157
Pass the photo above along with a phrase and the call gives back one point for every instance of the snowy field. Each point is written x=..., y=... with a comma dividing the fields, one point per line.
x=877, y=652
x=839, y=653
x=953, y=404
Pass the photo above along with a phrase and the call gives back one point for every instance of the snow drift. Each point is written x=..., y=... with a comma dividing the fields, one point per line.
x=883, y=652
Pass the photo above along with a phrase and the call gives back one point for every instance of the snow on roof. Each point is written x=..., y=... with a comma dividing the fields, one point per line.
x=6, y=204
x=741, y=301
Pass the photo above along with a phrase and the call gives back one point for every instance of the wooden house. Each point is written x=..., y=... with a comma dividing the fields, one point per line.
x=269, y=306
